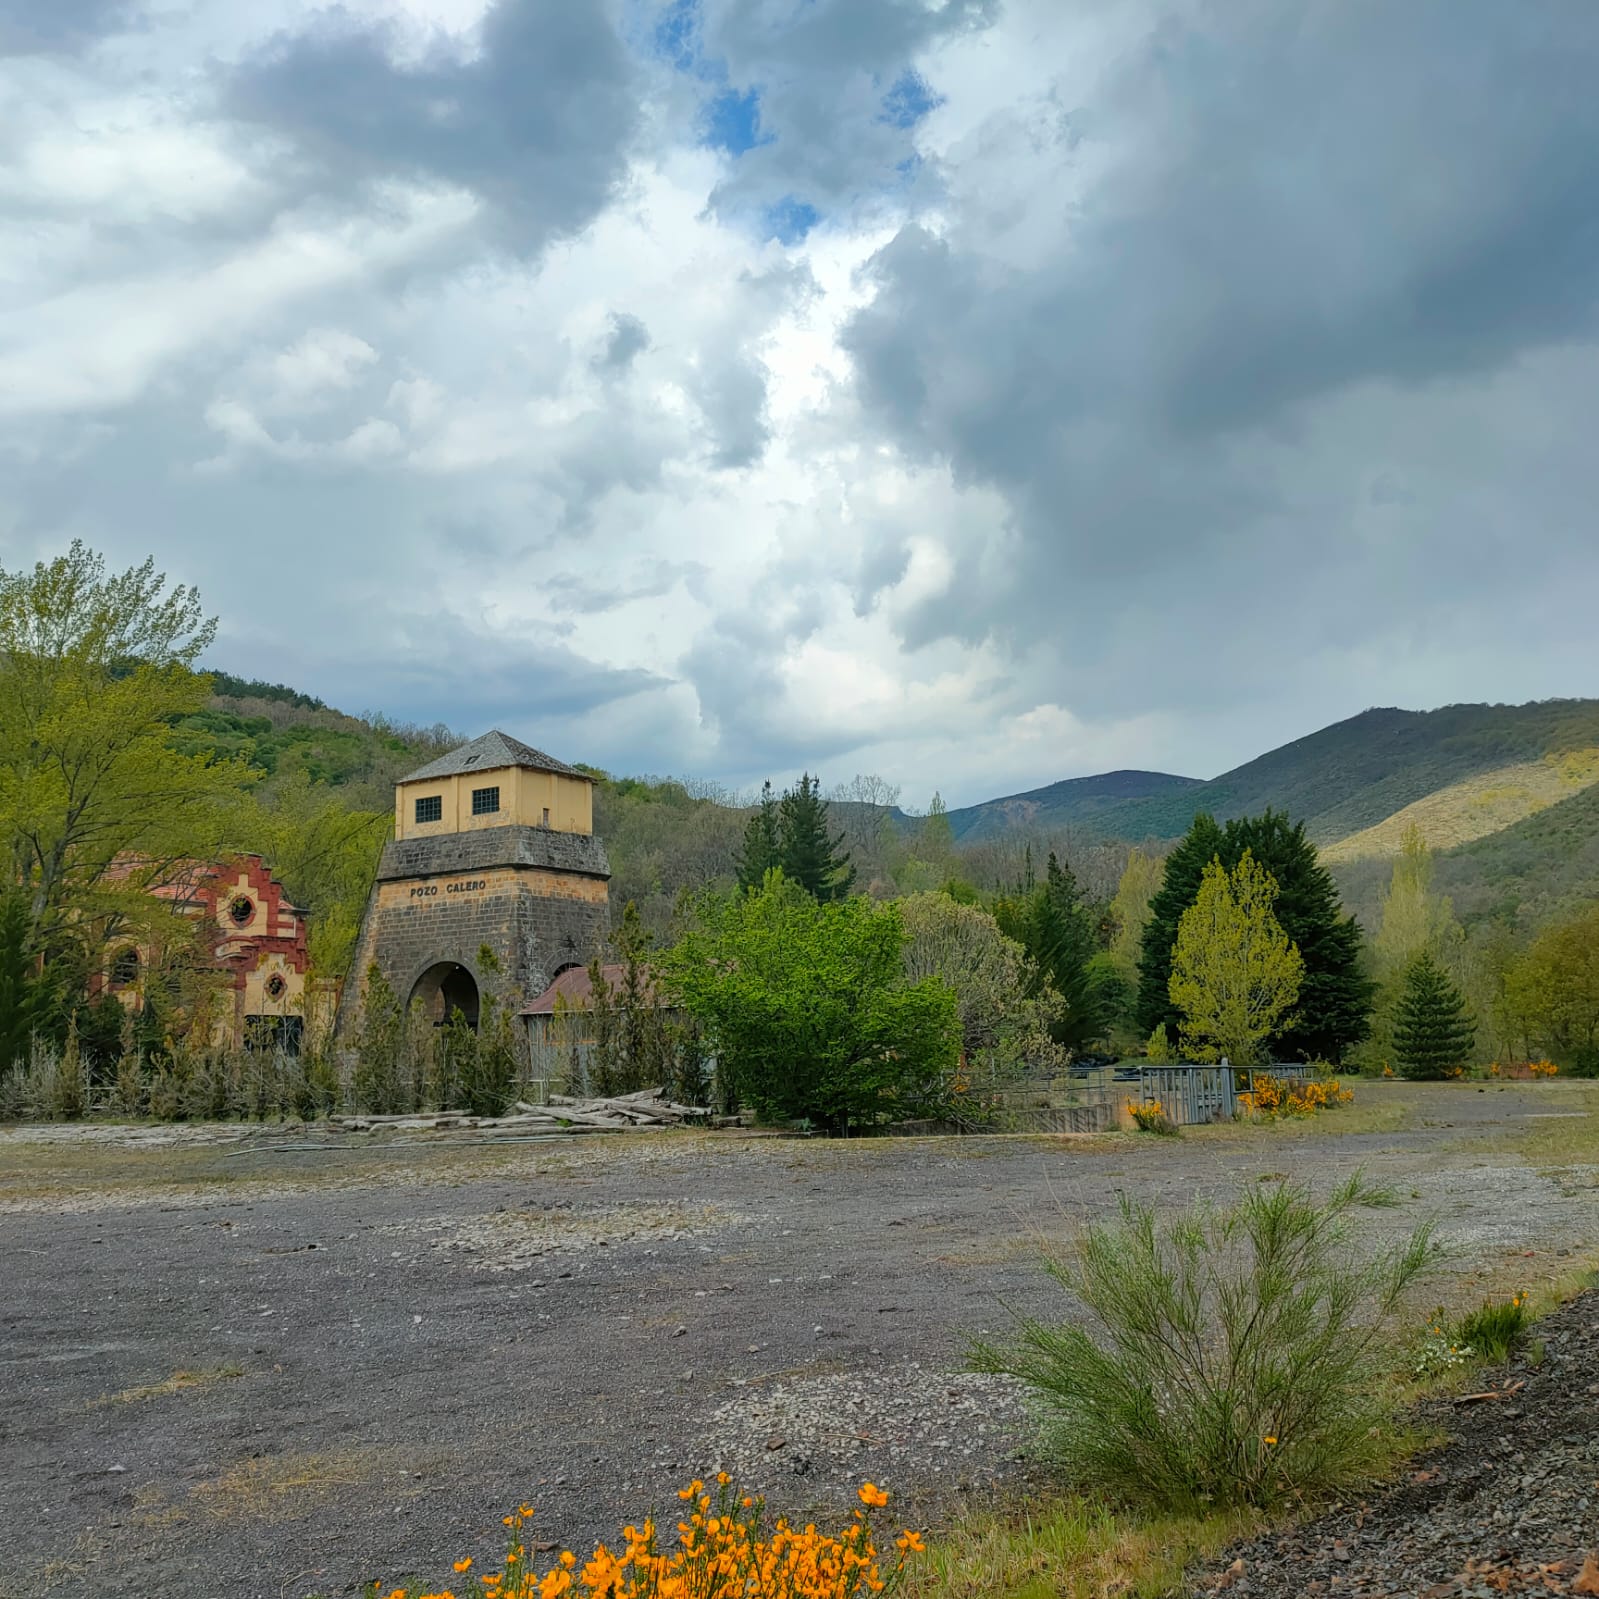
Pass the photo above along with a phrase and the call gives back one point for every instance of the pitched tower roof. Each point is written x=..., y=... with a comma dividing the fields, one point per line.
x=493, y=750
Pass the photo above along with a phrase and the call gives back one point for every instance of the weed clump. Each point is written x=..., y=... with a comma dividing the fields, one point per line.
x=1238, y=1346
x=1496, y=1331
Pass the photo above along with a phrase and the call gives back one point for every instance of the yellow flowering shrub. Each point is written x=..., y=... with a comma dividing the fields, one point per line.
x=1276, y=1096
x=1150, y=1116
x=724, y=1550
x=1523, y=1069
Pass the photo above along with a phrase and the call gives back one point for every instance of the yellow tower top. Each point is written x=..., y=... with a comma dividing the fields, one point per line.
x=495, y=781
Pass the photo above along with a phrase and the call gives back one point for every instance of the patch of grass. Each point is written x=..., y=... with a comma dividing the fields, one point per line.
x=1238, y=1346
x=1496, y=1329
x=1069, y=1548
x=277, y=1487
x=179, y=1382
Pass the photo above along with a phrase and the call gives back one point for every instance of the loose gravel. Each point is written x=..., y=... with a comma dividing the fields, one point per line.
x=1508, y=1505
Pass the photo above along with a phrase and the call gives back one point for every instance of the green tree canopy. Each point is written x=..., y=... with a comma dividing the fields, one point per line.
x=809, y=853
x=1333, y=1011
x=793, y=834
x=96, y=806
x=1552, y=993
x=1433, y=1033
x=1235, y=975
x=1005, y=1011
x=762, y=847
x=806, y=1006
x=1052, y=922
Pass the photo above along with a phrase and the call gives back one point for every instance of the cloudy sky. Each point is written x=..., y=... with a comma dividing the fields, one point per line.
x=975, y=392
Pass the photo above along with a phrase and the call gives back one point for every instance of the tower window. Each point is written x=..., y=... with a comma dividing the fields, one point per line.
x=546, y=816
x=125, y=969
x=430, y=808
x=485, y=801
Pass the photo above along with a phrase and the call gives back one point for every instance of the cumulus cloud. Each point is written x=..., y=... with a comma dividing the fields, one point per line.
x=980, y=394
x=535, y=121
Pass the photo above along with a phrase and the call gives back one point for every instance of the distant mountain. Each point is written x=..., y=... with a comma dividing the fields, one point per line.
x=1074, y=800
x=1340, y=781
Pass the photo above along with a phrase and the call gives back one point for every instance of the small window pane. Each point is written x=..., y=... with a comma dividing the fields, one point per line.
x=485, y=801
x=430, y=808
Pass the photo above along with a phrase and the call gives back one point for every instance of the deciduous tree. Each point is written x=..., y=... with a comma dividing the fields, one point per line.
x=1333, y=1011
x=96, y=807
x=1005, y=1011
x=1235, y=974
x=806, y=1006
x=1552, y=993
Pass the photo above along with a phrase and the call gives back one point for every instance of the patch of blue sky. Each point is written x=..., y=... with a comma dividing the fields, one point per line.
x=909, y=99
x=676, y=35
x=732, y=122
x=790, y=219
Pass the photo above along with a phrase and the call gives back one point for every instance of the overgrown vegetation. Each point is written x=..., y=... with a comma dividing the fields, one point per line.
x=808, y=1010
x=1235, y=1354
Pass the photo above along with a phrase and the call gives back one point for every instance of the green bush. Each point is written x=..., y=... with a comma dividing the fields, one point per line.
x=1237, y=1352
x=807, y=1008
x=1495, y=1331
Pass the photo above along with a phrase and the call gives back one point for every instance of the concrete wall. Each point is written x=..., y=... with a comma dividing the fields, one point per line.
x=527, y=799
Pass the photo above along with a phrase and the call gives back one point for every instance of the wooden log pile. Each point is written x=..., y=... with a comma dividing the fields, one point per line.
x=649, y=1107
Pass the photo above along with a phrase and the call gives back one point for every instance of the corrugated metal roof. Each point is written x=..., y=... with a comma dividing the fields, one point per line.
x=493, y=750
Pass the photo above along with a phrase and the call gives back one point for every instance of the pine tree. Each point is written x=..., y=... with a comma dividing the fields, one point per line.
x=807, y=852
x=1433, y=1033
x=1333, y=1011
x=1056, y=928
x=762, y=847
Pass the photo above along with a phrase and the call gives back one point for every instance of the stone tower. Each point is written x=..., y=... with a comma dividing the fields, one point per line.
x=493, y=848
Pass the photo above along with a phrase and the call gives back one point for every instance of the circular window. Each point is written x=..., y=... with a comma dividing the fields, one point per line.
x=242, y=910
x=276, y=986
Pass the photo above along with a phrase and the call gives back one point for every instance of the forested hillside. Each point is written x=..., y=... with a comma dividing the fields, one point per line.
x=667, y=836
x=1339, y=780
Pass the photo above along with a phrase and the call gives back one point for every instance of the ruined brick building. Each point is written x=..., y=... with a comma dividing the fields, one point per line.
x=493, y=851
x=250, y=932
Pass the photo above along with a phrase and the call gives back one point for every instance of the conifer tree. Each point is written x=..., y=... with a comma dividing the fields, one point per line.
x=1055, y=927
x=807, y=852
x=762, y=848
x=1433, y=1033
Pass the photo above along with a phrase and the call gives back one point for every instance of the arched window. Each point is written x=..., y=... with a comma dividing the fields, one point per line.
x=125, y=968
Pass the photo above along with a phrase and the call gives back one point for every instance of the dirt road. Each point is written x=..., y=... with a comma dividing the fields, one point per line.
x=253, y=1369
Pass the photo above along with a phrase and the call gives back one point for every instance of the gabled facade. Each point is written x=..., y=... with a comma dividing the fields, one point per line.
x=254, y=935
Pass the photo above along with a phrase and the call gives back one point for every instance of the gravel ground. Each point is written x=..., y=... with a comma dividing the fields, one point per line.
x=1508, y=1505
x=249, y=1368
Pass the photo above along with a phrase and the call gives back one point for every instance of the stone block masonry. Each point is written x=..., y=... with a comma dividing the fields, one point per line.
x=538, y=899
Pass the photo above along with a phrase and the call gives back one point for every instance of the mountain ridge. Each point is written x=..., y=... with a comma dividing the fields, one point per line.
x=1339, y=780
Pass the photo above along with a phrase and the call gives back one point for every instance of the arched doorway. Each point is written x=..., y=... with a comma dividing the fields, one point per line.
x=446, y=987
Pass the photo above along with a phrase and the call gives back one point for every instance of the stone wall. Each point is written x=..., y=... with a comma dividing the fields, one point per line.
x=538, y=899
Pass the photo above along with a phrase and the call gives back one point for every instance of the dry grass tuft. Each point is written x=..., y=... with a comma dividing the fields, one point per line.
x=179, y=1382
x=281, y=1487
